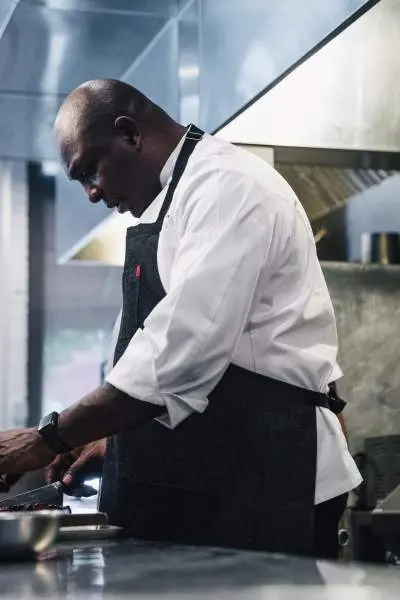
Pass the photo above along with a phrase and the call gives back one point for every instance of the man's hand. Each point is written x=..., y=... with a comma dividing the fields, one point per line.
x=102, y=413
x=21, y=450
x=67, y=467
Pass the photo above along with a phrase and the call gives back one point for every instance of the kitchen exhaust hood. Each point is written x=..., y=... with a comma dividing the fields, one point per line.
x=103, y=245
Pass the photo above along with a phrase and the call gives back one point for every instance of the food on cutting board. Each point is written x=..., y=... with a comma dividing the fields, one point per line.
x=34, y=507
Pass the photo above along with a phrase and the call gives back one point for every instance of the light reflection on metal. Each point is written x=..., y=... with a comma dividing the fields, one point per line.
x=189, y=72
x=50, y=168
x=104, y=244
x=321, y=233
x=7, y=9
x=342, y=97
x=244, y=52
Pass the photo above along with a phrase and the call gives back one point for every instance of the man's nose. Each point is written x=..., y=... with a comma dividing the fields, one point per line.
x=95, y=193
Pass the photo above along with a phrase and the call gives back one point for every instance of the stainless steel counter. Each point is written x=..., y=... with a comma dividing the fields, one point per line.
x=145, y=571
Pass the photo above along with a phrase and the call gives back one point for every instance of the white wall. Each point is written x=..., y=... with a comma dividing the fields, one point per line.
x=13, y=293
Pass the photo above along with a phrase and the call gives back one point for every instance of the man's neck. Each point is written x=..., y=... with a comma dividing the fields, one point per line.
x=164, y=144
x=171, y=139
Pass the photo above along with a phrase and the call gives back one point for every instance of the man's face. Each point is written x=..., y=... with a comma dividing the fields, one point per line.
x=111, y=167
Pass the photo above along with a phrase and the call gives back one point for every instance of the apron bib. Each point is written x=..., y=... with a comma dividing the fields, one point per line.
x=242, y=474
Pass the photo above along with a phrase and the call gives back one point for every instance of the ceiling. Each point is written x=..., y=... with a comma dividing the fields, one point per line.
x=48, y=47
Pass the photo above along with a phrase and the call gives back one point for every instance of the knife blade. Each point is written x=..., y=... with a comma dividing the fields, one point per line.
x=49, y=494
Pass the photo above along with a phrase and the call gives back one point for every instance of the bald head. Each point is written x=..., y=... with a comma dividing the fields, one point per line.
x=109, y=124
x=100, y=102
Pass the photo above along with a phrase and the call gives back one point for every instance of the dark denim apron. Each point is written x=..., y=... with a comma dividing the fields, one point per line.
x=242, y=474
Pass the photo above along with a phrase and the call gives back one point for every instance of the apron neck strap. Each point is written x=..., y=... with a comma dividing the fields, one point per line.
x=192, y=138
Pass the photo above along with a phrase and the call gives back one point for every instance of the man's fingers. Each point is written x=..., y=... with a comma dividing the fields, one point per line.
x=4, y=487
x=7, y=481
x=73, y=469
x=12, y=479
x=57, y=467
x=53, y=469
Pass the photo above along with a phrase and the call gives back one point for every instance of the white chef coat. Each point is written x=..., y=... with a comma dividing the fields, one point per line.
x=238, y=262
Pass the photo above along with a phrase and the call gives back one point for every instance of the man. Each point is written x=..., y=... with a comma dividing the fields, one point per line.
x=217, y=409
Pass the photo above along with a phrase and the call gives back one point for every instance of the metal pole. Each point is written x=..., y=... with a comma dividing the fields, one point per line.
x=5, y=288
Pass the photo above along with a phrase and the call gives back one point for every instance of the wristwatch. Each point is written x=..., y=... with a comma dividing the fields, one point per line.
x=48, y=429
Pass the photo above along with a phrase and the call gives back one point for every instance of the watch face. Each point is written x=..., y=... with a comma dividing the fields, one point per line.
x=48, y=422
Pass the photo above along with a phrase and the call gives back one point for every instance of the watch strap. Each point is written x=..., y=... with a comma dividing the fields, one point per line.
x=48, y=429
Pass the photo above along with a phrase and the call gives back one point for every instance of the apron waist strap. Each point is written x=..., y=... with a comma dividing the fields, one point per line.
x=276, y=390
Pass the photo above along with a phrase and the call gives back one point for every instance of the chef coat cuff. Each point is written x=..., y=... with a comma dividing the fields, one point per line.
x=177, y=410
x=142, y=383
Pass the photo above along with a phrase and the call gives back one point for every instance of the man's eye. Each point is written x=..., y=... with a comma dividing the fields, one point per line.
x=88, y=173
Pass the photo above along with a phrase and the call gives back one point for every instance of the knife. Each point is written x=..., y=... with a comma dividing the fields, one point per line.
x=49, y=494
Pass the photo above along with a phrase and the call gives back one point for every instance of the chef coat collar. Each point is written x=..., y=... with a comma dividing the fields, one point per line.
x=168, y=168
x=151, y=212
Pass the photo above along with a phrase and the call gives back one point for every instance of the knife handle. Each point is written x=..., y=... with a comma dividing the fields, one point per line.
x=82, y=491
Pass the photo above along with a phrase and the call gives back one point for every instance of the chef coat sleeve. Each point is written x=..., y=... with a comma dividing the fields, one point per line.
x=224, y=232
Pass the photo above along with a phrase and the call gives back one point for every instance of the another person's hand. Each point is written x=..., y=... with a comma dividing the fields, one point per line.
x=68, y=468
x=21, y=450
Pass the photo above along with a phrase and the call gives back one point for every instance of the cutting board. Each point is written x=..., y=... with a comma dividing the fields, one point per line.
x=88, y=533
x=83, y=519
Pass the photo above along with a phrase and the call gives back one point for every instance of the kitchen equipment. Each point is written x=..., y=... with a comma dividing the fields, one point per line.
x=343, y=538
x=385, y=522
x=382, y=248
x=48, y=494
x=23, y=535
x=379, y=464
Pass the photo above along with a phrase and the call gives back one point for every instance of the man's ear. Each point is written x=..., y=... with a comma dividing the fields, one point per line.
x=128, y=129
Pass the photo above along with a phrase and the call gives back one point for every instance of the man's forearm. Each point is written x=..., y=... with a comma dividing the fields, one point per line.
x=102, y=413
